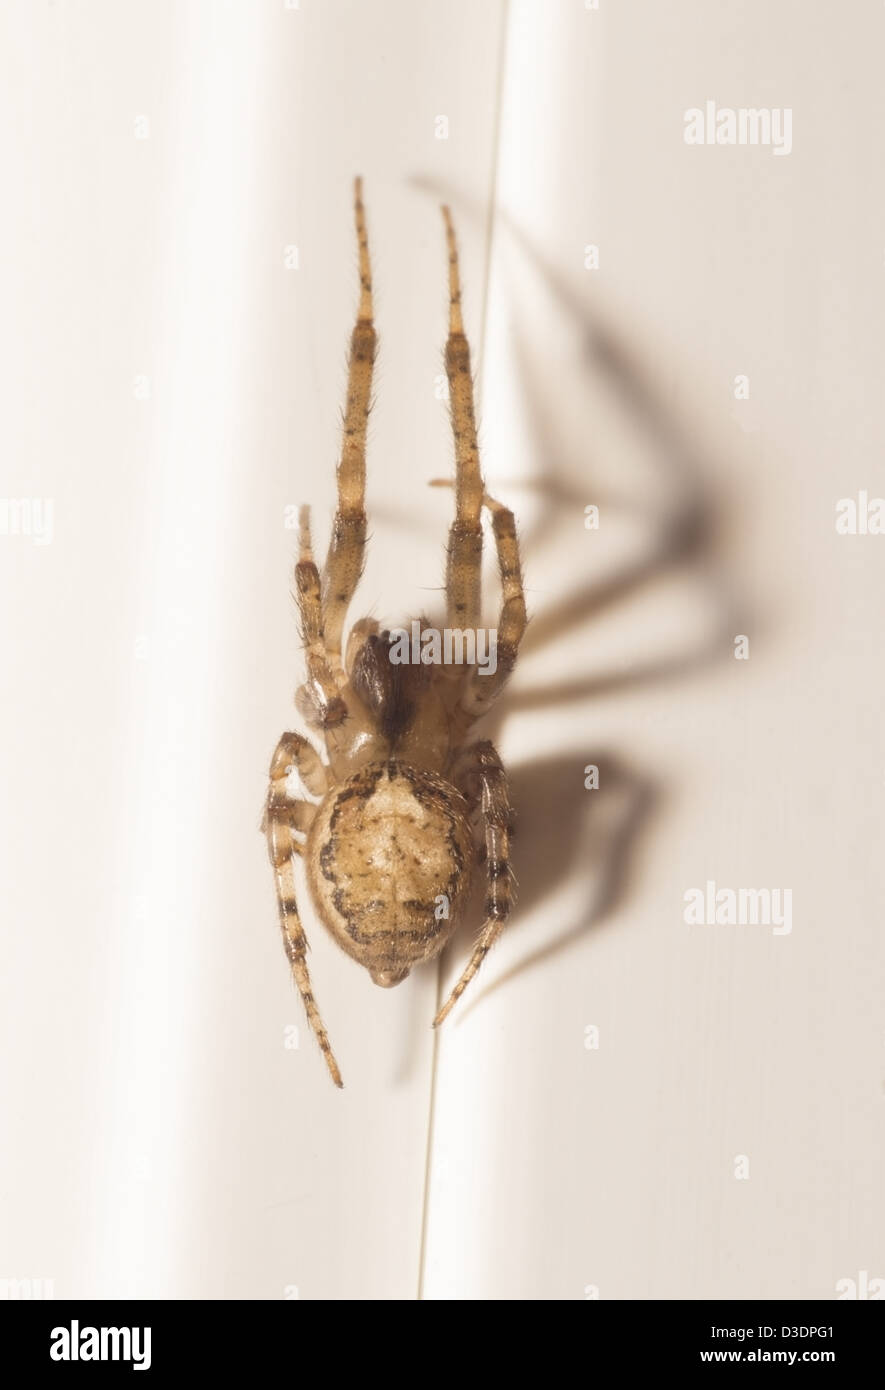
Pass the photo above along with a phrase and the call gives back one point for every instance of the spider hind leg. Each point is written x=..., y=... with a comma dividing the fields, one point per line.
x=284, y=816
x=486, y=768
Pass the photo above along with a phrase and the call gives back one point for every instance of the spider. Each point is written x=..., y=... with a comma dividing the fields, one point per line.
x=389, y=843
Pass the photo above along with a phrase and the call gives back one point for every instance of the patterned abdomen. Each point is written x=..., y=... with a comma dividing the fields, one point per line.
x=389, y=859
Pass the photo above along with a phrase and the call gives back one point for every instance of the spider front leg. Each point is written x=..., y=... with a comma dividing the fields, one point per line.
x=344, y=562
x=319, y=700
x=464, y=560
x=483, y=687
x=464, y=567
x=284, y=816
x=497, y=817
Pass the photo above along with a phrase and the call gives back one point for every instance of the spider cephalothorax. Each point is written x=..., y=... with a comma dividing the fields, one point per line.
x=389, y=843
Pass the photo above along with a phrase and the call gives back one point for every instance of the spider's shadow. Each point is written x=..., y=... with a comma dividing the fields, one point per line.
x=560, y=823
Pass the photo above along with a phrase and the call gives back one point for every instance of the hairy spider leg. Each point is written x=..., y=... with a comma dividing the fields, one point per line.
x=321, y=688
x=347, y=547
x=464, y=558
x=497, y=818
x=482, y=689
x=284, y=815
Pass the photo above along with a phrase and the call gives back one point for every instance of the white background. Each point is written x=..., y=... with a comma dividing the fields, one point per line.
x=160, y=1139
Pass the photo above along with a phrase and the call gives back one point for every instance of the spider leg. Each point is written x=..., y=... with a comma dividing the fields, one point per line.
x=282, y=846
x=298, y=815
x=294, y=750
x=321, y=701
x=356, y=638
x=344, y=562
x=284, y=815
x=497, y=816
x=464, y=558
x=483, y=687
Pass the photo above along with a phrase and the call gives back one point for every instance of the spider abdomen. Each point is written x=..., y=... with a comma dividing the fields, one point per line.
x=389, y=859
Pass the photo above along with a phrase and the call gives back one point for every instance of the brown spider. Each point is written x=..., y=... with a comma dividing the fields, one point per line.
x=390, y=848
